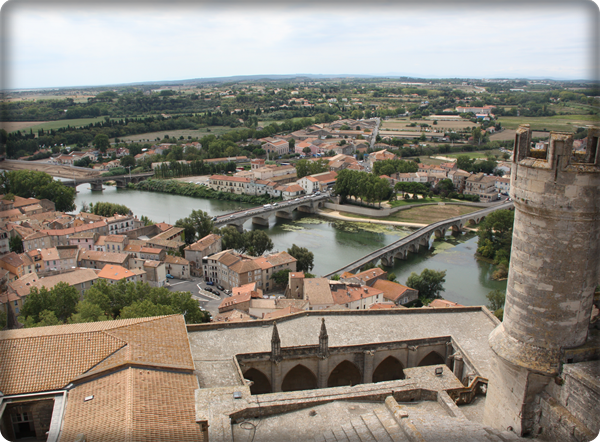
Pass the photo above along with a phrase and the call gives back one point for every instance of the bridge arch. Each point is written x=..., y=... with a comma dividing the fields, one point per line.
x=345, y=373
x=261, y=383
x=432, y=358
x=389, y=369
x=299, y=378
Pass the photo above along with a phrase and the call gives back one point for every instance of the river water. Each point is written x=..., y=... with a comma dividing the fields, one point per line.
x=334, y=243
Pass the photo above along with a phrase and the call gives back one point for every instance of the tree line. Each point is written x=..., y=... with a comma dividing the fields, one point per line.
x=103, y=301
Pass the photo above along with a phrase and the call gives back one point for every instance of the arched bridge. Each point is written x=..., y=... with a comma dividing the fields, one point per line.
x=260, y=215
x=121, y=180
x=413, y=242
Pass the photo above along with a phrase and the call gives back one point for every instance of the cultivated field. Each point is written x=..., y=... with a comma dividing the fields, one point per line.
x=11, y=126
x=565, y=123
x=185, y=133
x=403, y=124
x=38, y=97
x=509, y=134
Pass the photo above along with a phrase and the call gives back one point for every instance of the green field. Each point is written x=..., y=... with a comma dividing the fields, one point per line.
x=185, y=133
x=565, y=123
x=58, y=124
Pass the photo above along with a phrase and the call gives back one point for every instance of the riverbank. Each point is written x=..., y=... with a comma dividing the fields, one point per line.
x=175, y=187
x=333, y=214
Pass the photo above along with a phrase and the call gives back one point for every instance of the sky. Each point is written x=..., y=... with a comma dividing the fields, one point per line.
x=48, y=44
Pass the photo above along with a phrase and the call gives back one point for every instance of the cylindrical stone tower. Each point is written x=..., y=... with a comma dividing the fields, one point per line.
x=554, y=269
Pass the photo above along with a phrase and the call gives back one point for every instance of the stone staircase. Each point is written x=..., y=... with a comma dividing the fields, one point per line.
x=378, y=425
x=405, y=423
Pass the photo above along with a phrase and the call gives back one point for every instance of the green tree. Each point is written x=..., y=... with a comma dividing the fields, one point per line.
x=15, y=244
x=304, y=256
x=144, y=309
x=232, y=238
x=128, y=161
x=496, y=299
x=257, y=242
x=281, y=277
x=495, y=236
x=430, y=283
x=3, y=318
x=110, y=209
x=101, y=142
x=40, y=185
x=61, y=301
x=196, y=226
x=87, y=312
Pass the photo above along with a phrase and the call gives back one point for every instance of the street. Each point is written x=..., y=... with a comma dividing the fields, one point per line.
x=191, y=285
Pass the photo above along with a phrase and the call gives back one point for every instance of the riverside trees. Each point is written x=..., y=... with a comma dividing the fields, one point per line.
x=40, y=185
x=363, y=186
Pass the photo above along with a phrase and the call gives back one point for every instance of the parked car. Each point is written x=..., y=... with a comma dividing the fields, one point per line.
x=208, y=289
x=220, y=287
x=169, y=276
x=210, y=283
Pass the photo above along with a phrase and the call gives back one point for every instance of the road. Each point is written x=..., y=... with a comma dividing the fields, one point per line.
x=375, y=131
x=191, y=285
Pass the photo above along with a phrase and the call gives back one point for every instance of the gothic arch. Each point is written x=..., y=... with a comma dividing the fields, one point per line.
x=299, y=378
x=261, y=382
x=389, y=369
x=433, y=358
x=345, y=373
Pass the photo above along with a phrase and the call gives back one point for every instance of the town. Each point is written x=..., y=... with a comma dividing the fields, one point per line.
x=191, y=250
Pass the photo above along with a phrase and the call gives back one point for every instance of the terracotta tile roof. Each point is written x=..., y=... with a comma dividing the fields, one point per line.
x=350, y=294
x=12, y=259
x=317, y=291
x=234, y=315
x=235, y=300
x=151, y=250
x=107, y=257
x=443, y=303
x=132, y=248
x=282, y=312
x=385, y=305
x=244, y=266
x=163, y=226
x=24, y=284
x=204, y=243
x=115, y=272
x=280, y=258
x=176, y=260
x=391, y=290
x=46, y=358
x=115, y=238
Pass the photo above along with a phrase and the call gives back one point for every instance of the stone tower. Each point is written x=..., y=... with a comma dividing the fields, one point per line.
x=554, y=269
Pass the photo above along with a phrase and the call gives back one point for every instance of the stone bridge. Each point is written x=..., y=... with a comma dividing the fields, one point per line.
x=419, y=239
x=260, y=215
x=121, y=180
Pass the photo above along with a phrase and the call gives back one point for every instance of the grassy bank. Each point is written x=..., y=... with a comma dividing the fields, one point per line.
x=421, y=215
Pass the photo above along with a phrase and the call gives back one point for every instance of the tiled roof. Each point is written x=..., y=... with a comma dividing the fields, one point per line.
x=46, y=358
x=204, y=243
x=282, y=312
x=317, y=292
x=115, y=272
x=391, y=290
x=176, y=260
x=443, y=303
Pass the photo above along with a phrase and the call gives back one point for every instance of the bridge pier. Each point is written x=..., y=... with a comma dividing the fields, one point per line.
x=121, y=184
x=284, y=215
x=96, y=185
x=260, y=221
x=306, y=209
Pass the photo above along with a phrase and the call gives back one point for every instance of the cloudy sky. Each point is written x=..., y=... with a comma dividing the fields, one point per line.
x=55, y=44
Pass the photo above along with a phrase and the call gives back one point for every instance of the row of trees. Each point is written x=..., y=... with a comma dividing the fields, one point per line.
x=306, y=167
x=390, y=167
x=176, y=169
x=40, y=185
x=364, y=186
x=104, y=301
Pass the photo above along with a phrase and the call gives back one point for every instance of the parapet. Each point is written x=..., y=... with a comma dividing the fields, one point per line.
x=558, y=154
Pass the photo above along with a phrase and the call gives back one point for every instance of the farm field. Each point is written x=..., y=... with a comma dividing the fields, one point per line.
x=509, y=134
x=151, y=137
x=10, y=126
x=39, y=97
x=565, y=123
x=403, y=124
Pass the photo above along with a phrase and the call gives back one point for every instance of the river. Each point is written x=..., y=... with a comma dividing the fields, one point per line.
x=334, y=243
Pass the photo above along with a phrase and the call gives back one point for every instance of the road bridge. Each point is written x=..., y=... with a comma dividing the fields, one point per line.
x=260, y=215
x=419, y=239
x=121, y=180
